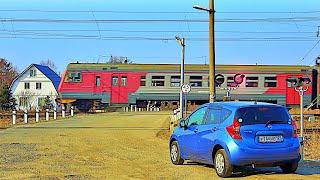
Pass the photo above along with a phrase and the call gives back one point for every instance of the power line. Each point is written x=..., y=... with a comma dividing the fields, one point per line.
x=226, y=20
x=138, y=38
x=157, y=12
x=160, y=31
x=309, y=51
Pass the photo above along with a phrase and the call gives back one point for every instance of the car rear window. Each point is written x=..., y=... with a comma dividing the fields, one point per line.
x=262, y=114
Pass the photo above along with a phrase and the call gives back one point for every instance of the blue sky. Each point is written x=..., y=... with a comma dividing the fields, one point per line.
x=18, y=43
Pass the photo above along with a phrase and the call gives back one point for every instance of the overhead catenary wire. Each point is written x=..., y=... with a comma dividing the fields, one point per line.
x=224, y=20
x=157, y=12
x=160, y=31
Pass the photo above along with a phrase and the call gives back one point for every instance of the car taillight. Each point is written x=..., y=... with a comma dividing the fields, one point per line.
x=295, y=129
x=234, y=129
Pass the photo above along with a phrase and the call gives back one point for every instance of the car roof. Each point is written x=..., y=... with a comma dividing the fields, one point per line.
x=238, y=104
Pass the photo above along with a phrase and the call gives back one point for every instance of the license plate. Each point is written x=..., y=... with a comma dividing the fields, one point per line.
x=270, y=139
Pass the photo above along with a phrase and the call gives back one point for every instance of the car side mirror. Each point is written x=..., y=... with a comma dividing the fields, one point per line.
x=183, y=123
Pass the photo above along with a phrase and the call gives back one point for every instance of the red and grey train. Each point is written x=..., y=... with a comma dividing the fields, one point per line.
x=97, y=84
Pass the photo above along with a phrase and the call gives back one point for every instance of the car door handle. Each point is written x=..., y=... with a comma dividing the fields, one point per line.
x=215, y=129
x=196, y=130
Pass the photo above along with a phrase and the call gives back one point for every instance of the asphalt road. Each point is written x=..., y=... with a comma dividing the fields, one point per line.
x=108, y=146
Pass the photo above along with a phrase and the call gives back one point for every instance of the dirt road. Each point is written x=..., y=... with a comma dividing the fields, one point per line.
x=107, y=146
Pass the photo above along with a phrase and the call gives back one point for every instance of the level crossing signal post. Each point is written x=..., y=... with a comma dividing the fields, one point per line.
x=301, y=86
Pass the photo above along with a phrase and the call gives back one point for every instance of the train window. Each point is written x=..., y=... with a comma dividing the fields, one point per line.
x=124, y=81
x=175, y=81
x=73, y=77
x=114, y=80
x=98, y=81
x=270, y=81
x=230, y=81
x=252, y=81
x=196, y=81
x=143, y=81
x=157, y=81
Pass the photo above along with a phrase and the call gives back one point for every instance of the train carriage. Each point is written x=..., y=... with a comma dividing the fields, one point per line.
x=99, y=85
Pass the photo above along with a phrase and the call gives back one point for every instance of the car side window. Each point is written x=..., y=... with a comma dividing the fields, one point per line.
x=197, y=117
x=213, y=116
x=225, y=113
x=217, y=116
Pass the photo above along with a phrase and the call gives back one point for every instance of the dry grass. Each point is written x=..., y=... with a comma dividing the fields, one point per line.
x=102, y=146
x=312, y=146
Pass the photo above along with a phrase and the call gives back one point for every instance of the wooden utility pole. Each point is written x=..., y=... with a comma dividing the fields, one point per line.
x=212, y=52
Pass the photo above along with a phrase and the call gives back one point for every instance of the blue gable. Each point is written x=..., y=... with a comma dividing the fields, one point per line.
x=54, y=77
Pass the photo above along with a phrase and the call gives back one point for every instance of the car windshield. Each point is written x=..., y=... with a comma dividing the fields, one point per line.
x=263, y=115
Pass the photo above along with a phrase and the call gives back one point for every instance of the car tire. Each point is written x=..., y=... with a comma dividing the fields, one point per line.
x=289, y=167
x=175, y=154
x=222, y=164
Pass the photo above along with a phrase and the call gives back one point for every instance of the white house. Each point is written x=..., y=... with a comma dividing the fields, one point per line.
x=33, y=85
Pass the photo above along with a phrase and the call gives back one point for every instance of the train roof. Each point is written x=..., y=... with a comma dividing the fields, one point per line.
x=188, y=68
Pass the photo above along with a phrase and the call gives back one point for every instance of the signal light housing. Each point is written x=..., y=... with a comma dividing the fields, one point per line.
x=219, y=79
x=238, y=78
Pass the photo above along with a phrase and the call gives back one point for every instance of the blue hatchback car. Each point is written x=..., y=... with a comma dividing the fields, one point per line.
x=230, y=134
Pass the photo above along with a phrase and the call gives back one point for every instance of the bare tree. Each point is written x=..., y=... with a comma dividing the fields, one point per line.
x=50, y=64
x=7, y=73
x=119, y=60
x=29, y=98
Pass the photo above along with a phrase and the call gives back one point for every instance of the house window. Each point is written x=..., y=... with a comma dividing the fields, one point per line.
x=41, y=101
x=175, y=81
x=124, y=81
x=98, y=81
x=114, y=80
x=74, y=77
x=26, y=85
x=23, y=101
x=33, y=73
x=157, y=81
x=252, y=81
x=196, y=81
x=270, y=81
x=143, y=81
x=38, y=85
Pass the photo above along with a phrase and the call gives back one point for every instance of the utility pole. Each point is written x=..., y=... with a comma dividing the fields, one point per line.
x=212, y=52
x=212, y=60
x=182, y=103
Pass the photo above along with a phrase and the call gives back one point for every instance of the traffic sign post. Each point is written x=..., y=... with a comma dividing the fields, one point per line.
x=185, y=89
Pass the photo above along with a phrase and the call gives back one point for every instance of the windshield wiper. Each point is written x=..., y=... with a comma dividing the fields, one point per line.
x=272, y=121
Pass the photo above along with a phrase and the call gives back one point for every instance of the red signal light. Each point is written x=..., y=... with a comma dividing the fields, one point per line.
x=238, y=78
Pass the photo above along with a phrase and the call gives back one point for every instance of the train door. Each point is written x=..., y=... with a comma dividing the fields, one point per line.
x=119, y=89
x=292, y=96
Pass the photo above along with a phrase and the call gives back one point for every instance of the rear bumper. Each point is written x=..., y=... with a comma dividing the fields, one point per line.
x=247, y=156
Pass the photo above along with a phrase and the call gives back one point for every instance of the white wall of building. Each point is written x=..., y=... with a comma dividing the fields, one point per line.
x=47, y=89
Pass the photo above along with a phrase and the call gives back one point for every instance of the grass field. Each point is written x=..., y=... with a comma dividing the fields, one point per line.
x=107, y=146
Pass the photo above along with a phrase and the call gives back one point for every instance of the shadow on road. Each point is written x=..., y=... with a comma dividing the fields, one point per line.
x=305, y=168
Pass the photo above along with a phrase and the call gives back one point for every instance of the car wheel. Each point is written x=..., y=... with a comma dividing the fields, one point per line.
x=175, y=154
x=290, y=167
x=222, y=164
